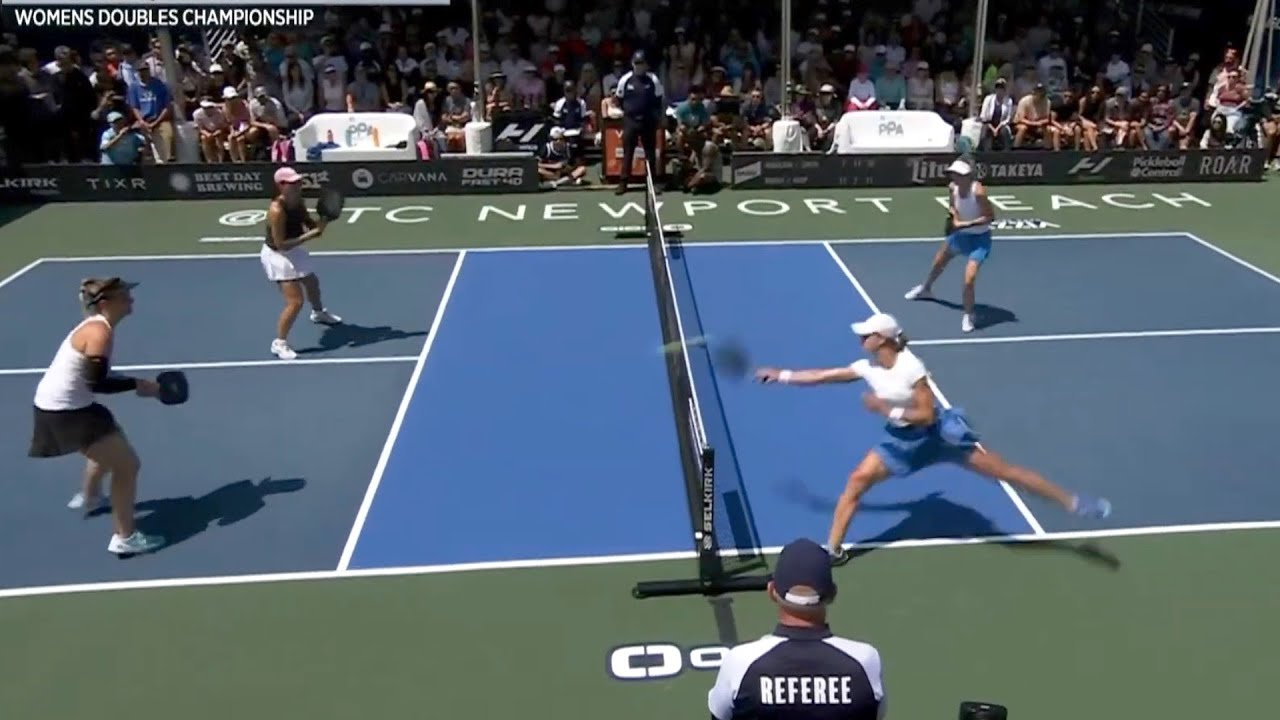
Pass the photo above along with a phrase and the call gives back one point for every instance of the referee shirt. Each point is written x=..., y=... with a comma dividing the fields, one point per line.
x=800, y=673
x=641, y=96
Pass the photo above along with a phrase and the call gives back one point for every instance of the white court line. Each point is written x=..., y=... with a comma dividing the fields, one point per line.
x=21, y=271
x=1233, y=258
x=242, y=239
x=1016, y=499
x=612, y=246
x=992, y=340
x=353, y=538
x=1085, y=535
x=236, y=364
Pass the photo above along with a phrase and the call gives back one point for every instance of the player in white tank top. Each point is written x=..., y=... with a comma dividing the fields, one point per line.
x=68, y=418
x=918, y=432
x=968, y=234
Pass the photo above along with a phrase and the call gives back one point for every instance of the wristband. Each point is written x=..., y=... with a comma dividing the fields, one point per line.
x=897, y=413
x=784, y=376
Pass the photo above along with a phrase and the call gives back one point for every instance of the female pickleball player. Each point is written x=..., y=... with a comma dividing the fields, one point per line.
x=917, y=433
x=287, y=263
x=968, y=234
x=69, y=420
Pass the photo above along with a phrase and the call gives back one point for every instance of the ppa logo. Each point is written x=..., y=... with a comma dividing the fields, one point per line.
x=891, y=127
x=357, y=132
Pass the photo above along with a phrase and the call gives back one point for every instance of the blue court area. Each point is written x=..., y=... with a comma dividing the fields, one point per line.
x=540, y=426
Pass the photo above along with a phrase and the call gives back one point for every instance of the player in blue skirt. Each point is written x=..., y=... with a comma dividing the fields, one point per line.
x=918, y=432
x=968, y=234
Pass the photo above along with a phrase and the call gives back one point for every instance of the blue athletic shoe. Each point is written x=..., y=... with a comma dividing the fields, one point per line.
x=1092, y=507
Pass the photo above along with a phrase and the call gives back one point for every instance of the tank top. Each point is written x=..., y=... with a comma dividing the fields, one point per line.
x=64, y=386
x=294, y=223
x=967, y=208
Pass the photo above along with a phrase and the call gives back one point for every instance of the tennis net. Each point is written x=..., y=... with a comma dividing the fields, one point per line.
x=696, y=405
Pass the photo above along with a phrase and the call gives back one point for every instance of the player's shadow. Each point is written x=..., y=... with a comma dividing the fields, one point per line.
x=934, y=516
x=348, y=335
x=181, y=518
x=985, y=315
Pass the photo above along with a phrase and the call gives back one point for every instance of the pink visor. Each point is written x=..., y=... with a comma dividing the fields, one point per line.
x=287, y=175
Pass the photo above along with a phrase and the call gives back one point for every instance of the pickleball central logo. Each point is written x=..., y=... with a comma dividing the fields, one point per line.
x=362, y=178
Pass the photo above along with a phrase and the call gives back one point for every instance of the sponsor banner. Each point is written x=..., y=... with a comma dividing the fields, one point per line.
x=88, y=183
x=524, y=130
x=1029, y=167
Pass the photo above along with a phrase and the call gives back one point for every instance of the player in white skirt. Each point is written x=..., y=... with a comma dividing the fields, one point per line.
x=287, y=263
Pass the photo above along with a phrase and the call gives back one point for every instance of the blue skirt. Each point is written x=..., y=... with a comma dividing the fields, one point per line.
x=975, y=246
x=950, y=439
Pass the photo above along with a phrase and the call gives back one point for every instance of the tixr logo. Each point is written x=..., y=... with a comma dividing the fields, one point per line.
x=120, y=183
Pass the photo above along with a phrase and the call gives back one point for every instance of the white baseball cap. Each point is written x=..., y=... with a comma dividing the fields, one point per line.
x=882, y=324
x=959, y=167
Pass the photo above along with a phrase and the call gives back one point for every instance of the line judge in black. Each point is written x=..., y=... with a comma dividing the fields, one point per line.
x=640, y=95
x=801, y=670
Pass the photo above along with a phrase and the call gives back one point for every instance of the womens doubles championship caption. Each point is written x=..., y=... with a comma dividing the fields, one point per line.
x=62, y=17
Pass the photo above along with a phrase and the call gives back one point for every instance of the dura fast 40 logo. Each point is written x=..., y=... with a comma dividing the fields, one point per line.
x=661, y=660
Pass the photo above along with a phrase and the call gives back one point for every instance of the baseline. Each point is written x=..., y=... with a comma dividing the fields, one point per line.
x=1085, y=535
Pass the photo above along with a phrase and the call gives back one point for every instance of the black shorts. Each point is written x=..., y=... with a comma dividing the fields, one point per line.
x=61, y=432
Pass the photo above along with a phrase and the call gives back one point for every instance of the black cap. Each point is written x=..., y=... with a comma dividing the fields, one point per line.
x=802, y=578
x=637, y=56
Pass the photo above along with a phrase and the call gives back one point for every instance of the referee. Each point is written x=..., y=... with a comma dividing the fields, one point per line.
x=640, y=94
x=801, y=669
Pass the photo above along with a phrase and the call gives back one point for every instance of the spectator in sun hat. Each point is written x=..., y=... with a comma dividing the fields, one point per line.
x=498, y=96
x=213, y=127
x=238, y=117
x=826, y=114
x=121, y=142
x=801, y=669
x=330, y=56
x=332, y=90
x=425, y=112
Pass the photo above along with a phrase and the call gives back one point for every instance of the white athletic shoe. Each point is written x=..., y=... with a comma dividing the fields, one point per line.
x=89, y=505
x=324, y=317
x=966, y=324
x=281, y=349
x=919, y=292
x=135, y=544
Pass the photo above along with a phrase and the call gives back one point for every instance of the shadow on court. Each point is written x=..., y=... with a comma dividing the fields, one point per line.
x=348, y=335
x=180, y=519
x=986, y=316
x=933, y=516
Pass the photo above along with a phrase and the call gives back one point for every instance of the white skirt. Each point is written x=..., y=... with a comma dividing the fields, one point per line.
x=292, y=264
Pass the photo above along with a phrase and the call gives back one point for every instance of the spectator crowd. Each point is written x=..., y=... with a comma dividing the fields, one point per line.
x=1050, y=79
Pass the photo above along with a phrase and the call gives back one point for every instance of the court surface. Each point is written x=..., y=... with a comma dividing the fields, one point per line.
x=454, y=491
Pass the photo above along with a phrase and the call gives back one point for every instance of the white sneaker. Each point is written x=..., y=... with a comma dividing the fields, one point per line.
x=324, y=317
x=919, y=292
x=281, y=349
x=89, y=505
x=135, y=544
x=966, y=324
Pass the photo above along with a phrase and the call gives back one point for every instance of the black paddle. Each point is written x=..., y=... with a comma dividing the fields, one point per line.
x=173, y=387
x=329, y=206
